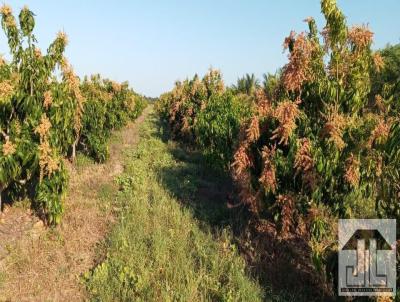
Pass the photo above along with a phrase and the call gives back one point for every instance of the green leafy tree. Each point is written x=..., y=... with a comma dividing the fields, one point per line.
x=218, y=126
x=183, y=104
x=35, y=114
x=43, y=119
x=109, y=106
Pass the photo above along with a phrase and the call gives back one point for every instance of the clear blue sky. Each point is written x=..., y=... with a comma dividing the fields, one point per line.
x=153, y=43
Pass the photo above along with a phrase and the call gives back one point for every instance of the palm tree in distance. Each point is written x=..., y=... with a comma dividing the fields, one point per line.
x=247, y=84
x=270, y=83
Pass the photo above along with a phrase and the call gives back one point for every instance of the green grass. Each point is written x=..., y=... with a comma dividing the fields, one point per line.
x=82, y=161
x=158, y=251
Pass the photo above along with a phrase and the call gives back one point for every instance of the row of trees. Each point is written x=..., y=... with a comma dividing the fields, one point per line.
x=46, y=113
x=321, y=137
x=205, y=113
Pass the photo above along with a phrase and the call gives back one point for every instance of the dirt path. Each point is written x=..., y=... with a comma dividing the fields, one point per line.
x=41, y=264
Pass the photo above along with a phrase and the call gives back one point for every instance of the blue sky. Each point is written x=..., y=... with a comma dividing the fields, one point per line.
x=154, y=43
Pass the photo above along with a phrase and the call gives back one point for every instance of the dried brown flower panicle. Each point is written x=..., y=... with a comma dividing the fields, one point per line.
x=8, y=148
x=268, y=175
x=297, y=71
x=334, y=126
x=304, y=163
x=48, y=99
x=352, y=172
x=286, y=113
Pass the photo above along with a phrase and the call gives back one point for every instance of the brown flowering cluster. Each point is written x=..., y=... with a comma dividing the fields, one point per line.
x=177, y=92
x=253, y=130
x=190, y=91
x=8, y=148
x=64, y=64
x=44, y=127
x=9, y=19
x=48, y=99
x=48, y=164
x=185, y=127
x=92, y=91
x=378, y=61
x=241, y=162
x=197, y=87
x=380, y=133
x=174, y=110
x=178, y=99
x=334, y=127
x=63, y=37
x=38, y=53
x=360, y=37
x=379, y=103
x=187, y=99
x=268, y=174
x=241, y=158
x=74, y=87
x=297, y=71
x=104, y=96
x=264, y=106
x=213, y=81
x=130, y=103
x=116, y=86
x=241, y=174
x=304, y=163
x=71, y=79
x=6, y=89
x=6, y=10
x=286, y=113
x=352, y=172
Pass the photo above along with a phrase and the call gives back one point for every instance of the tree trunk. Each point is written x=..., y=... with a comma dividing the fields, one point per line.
x=73, y=155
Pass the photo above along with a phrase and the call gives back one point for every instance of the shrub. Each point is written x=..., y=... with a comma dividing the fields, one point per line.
x=205, y=114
